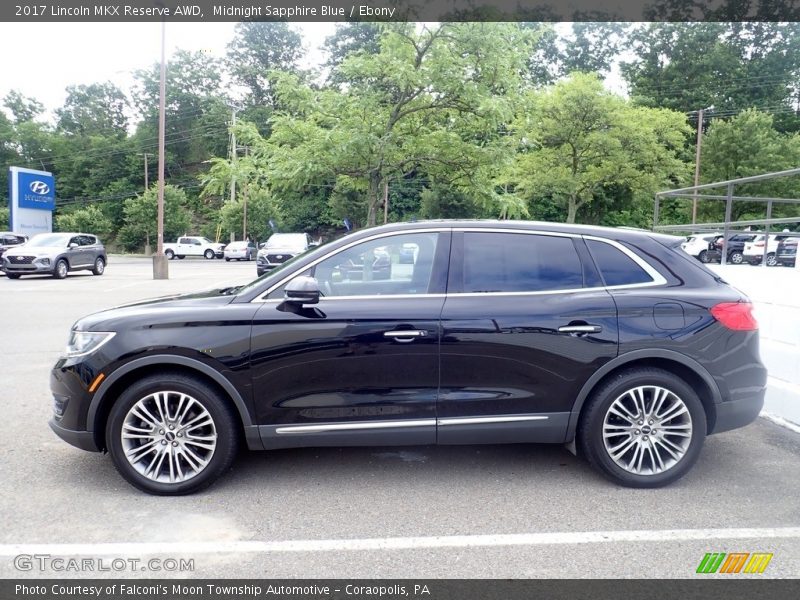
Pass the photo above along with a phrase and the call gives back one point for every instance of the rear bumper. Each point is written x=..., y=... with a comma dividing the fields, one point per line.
x=738, y=413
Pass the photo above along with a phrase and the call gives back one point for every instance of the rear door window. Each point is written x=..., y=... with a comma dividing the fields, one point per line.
x=616, y=267
x=520, y=262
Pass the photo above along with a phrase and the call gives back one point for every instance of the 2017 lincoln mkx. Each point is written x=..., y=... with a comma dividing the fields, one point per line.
x=493, y=332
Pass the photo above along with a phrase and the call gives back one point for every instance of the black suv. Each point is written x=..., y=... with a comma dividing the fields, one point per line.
x=497, y=332
x=786, y=252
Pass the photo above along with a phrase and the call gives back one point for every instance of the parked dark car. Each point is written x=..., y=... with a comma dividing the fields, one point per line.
x=786, y=253
x=9, y=239
x=56, y=254
x=500, y=332
x=734, y=248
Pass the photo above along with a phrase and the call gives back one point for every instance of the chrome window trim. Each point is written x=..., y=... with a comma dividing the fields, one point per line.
x=355, y=425
x=657, y=278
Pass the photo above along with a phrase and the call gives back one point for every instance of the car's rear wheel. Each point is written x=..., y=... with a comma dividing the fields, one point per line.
x=99, y=266
x=703, y=256
x=771, y=259
x=643, y=428
x=209, y=254
x=61, y=269
x=171, y=435
x=181, y=256
x=736, y=258
x=169, y=254
x=227, y=260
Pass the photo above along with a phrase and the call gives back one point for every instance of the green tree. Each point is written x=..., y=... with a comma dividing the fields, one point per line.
x=141, y=217
x=432, y=98
x=261, y=208
x=96, y=109
x=441, y=202
x=4, y=218
x=748, y=144
x=257, y=49
x=730, y=66
x=580, y=141
x=22, y=107
x=89, y=219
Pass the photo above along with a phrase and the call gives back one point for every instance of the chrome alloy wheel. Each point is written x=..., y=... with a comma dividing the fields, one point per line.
x=168, y=437
x=647, y=430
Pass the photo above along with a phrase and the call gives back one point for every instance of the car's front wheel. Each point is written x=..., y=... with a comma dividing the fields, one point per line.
x=736, y=258
x=171, y=435
x=169, y=254
x=209, y=254
x=643, y=428
x=61, y=269
x=13, y=275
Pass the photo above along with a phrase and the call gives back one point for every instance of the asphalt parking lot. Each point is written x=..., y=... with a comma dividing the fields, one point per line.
x=479, y=511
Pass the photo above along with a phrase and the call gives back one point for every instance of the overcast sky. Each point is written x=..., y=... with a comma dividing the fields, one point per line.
x=42, y=59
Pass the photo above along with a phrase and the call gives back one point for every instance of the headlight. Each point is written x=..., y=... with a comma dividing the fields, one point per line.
x=82, y=343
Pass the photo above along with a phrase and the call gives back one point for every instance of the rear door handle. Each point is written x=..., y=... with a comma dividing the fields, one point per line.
x=405, y=336
x=580, y=329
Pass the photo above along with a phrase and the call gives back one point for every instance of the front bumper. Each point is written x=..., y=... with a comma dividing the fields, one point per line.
x=80, y=439
x=32, y=268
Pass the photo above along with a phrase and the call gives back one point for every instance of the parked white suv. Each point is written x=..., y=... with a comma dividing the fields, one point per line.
x=190, y=245
x=697, y=245
x=754, y=251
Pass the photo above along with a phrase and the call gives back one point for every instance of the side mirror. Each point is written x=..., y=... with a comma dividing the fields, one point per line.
x=302, y=290
x=72, y=245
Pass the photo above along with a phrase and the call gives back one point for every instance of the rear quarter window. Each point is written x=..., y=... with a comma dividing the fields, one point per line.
x=616, y=267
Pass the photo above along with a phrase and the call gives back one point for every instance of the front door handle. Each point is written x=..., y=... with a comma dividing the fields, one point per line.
x=405, y=336
x=580, y=329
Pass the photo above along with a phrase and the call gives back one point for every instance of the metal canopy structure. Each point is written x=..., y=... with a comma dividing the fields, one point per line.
x=691, y=193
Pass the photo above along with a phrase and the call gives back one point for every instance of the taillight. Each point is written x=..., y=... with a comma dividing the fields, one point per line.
x=737, y=316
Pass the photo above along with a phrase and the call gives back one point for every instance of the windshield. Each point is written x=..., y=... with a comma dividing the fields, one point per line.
x=49, y=239
x=287, y=240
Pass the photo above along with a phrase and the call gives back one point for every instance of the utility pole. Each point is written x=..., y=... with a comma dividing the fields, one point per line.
x=234, y=152
x=697, y=163
x=385, y=202
x=244, y=203
x=160, y=265
x=147, y=250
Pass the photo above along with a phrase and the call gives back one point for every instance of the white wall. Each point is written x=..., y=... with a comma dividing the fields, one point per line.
x=775, y=292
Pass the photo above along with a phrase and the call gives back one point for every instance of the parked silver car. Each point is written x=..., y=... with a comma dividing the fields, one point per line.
x=56, y=254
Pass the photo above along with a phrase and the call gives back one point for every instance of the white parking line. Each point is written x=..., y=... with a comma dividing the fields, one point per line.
x=400, y=543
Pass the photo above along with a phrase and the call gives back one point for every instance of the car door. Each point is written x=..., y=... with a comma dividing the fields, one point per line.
x=76, y=252
x=525, y=324
x=362, y=366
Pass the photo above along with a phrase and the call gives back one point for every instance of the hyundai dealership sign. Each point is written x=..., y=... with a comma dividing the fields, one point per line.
x=31, y=200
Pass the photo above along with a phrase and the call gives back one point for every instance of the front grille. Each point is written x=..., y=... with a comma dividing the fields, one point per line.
x=278, y=258
x=20, y=260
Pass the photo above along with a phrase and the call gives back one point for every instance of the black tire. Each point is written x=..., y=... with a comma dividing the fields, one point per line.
x=169, y=254
x=224, y=423
x=209, y=254
x=61, y=269
x=736, y=258
x=227, y=260
x=590, y=435
x=99, y=266
x=181, y=256
x=13, y=275
x=703, y=257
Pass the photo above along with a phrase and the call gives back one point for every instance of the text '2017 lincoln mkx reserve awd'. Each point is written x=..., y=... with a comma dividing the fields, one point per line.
x=494, y=332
